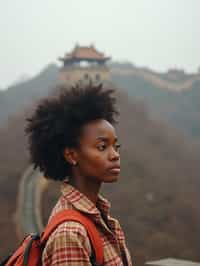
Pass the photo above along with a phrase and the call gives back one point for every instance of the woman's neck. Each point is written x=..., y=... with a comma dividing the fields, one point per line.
x=87, y=186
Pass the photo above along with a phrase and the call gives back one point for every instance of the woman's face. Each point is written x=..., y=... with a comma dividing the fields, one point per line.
x=98, y=153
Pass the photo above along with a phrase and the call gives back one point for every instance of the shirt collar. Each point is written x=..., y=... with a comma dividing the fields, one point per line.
x=80, y=202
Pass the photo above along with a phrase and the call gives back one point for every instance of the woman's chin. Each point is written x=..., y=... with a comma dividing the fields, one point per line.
x=111, y=179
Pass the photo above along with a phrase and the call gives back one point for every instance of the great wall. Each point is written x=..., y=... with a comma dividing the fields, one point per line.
x=171, y=82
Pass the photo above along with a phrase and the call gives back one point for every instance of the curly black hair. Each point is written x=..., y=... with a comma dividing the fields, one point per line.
x=57, y=122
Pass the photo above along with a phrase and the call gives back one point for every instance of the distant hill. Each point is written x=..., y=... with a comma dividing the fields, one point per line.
x=18, y=96
x=180, y=108
x=172, y=96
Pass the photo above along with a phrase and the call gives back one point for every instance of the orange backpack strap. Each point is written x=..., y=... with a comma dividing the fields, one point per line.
x=72, y=215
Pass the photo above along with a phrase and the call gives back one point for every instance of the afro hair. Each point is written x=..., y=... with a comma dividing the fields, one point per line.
x=57, y=122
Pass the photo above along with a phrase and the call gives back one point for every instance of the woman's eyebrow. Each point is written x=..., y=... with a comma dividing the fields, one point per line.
x=106, y=139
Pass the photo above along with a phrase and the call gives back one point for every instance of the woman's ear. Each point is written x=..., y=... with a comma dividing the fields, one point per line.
x=70, y=156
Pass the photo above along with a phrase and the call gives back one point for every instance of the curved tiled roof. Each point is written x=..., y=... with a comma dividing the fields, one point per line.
x=85, y=53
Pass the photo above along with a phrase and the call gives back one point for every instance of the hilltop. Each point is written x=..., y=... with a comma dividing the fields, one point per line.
x=175, y=80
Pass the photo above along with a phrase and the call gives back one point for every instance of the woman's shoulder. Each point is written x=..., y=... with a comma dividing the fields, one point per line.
x=67, y=236
x=66, y=244
x=70, y=229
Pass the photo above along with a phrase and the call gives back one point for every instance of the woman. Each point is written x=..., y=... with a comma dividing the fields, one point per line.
x=72, y=139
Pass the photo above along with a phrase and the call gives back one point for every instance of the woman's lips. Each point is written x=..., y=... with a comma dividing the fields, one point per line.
x=114, y=170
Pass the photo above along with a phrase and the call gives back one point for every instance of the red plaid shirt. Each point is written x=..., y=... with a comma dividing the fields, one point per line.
x=69, y=243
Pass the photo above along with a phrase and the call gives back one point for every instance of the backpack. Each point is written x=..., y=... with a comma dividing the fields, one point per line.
x=29, y=253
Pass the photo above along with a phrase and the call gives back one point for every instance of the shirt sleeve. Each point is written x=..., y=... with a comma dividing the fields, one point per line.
x=68, y=245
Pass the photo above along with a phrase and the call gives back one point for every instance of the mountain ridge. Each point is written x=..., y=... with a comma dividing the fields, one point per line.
x=178, y=107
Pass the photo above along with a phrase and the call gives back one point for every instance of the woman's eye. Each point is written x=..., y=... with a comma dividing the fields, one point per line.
x=101, y=147
x=117, y=147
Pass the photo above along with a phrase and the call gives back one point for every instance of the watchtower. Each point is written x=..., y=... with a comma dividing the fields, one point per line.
x=84, y=64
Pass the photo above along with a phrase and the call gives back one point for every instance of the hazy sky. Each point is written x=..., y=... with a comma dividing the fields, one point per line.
x=159, y=34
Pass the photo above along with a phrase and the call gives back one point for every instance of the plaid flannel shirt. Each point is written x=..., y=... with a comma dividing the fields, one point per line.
x=69, y=244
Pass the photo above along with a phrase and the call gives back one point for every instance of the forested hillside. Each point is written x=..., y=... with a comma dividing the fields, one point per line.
x=16, y=97
x=156, y=198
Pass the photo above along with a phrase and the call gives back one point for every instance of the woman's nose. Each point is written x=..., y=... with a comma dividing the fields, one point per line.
x=114, y=155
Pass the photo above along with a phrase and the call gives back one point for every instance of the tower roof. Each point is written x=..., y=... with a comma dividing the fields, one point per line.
x=84, y=53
